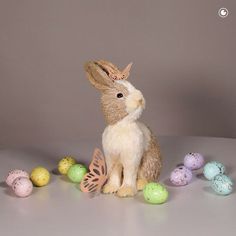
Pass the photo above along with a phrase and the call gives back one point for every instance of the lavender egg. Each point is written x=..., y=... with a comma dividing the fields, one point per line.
x=22, y=187
x=12, y=175
x=181, y=176
x=194, y=161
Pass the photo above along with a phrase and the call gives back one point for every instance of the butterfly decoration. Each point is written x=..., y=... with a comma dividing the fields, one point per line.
x=113, y=72
x=94, y=180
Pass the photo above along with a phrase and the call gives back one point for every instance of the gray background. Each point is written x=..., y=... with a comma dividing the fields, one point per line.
x=183, y=54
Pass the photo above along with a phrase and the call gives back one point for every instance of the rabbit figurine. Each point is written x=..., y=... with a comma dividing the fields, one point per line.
x=132, y=154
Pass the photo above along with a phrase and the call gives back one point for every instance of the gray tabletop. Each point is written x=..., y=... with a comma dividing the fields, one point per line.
x=61, y=209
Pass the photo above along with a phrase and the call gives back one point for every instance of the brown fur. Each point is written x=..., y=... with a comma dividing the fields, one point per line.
x=97, y=77
x=114, y=108
x=151, y=162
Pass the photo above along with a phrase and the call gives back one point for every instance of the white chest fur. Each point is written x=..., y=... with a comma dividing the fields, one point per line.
x=125, y=138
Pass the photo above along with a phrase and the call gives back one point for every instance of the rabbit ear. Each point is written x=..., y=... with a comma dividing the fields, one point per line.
x=126, y=71
x=97, y=76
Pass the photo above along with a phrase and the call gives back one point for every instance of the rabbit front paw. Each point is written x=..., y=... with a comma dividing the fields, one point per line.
x=126, y=191
x=141, y=183
x=109, y=188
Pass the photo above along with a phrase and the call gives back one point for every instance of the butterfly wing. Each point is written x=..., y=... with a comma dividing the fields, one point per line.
x=97, y=175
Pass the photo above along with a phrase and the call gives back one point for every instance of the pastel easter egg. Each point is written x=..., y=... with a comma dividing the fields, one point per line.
x=65, y=164
x=76, y=173
x=181, y=176
x=22, y=187
x=213, y=168
x=194, y=161
x=13, y=174
x=40, y=176
x=155, y=193
x=222, y=184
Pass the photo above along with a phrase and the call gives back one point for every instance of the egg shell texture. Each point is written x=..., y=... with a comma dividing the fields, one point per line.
x=213, y=168
x=181, y=176
x=76, y=173
x=193, y=161
x=65, y=164
x=22, y=187
x=12, y=175
x=222, y=184
x=155, y=193
x=40, y=176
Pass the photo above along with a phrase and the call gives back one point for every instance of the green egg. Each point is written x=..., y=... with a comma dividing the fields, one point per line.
x=222, y=184
x=155, y=193
x=76, y=173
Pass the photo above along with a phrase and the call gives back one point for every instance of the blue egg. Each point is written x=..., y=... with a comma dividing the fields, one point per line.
x=222, y=184
x=211, y=169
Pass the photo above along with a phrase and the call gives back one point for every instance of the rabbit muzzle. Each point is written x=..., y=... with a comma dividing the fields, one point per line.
x=134, y=101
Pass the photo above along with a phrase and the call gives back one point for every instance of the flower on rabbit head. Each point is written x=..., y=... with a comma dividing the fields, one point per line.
x=120, y=99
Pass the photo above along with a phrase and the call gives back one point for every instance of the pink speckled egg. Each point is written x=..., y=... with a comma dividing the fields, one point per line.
x=22, y=187
x=194, y=161
x=12, y=175
x=181, y=176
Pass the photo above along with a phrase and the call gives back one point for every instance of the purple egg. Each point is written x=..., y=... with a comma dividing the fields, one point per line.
x=194, y=161
x=181, y=176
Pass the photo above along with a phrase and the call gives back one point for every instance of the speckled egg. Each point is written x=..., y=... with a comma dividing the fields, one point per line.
x=213, y=168
x=40, y=176
x=22, y=187
x=222, y=184
x=76, y=173
x=65, y=164
x=181, y=176
x=155, y=193
x=194, y=161
x=12, y=175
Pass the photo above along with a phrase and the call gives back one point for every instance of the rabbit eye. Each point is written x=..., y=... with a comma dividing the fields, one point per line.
x=119, y=95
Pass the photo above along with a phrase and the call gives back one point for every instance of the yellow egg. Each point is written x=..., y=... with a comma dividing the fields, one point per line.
x=40, y=176
x=65, y=164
